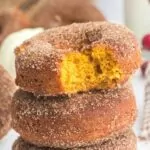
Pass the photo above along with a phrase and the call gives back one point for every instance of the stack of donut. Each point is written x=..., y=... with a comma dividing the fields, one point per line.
x=61, y=104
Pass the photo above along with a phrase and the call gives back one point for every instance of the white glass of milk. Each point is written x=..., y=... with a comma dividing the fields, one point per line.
x=137, y=16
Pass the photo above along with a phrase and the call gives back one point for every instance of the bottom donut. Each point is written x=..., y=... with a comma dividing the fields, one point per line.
x=124, y=141
x=77, y=120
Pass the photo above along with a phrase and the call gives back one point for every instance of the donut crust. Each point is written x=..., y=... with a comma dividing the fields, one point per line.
x=7, y=88
x=124, y=141
x=71, y=121
x=40, y=61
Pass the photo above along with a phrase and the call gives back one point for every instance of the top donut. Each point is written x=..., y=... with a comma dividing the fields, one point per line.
x=77, y=57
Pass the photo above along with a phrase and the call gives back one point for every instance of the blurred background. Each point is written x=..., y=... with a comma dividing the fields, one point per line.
x=44, y=13
x=22, y=19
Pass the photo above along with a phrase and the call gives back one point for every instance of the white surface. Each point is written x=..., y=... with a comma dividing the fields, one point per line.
x=138, y=86
x=7, y=56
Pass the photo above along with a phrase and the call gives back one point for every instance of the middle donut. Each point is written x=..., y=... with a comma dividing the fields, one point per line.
x=71, y=121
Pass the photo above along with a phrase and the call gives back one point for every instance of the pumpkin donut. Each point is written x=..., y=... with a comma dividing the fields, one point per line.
x=124, y=141
x=77, y=57
x=72, y=121
x=7, y=88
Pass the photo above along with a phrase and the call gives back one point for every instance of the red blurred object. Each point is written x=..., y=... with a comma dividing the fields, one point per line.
x=146, y=42
x=144, y=68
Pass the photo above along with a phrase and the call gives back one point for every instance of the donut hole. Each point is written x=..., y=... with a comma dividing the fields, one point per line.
x=96, y=68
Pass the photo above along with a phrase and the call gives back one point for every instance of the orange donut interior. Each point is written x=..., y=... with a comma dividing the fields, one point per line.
x=96, y=68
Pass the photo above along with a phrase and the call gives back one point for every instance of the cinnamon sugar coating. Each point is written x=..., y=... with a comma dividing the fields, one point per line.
x=38, y=60
x=71, y=121
x=123, y=141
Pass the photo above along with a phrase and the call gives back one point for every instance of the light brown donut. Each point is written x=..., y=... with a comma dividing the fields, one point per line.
x=44, y=13
x=79, y=120
x=7, y=88
x=50, y=13
x=7, y=4
x=124, y=141
x=78, y=57
x=12, y=20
